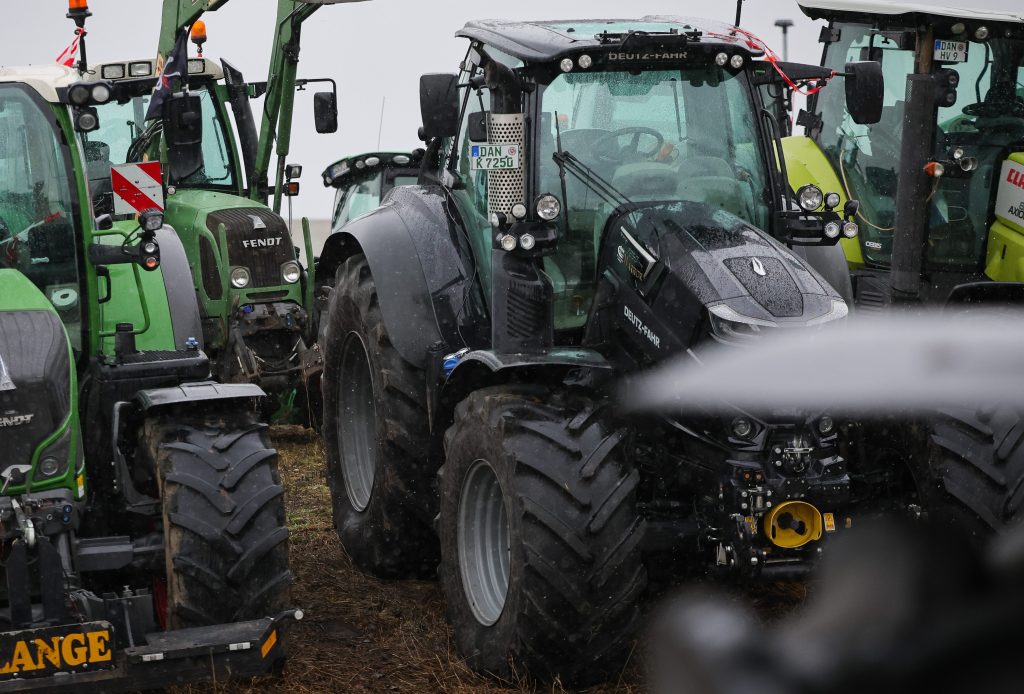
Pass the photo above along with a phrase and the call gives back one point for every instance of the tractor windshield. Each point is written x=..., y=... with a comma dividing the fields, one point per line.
x=987, y=118
x=37, y=203
x=125, y=137
x=655, y=135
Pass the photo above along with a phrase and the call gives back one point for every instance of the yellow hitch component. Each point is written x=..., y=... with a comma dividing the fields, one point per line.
x=793, y=524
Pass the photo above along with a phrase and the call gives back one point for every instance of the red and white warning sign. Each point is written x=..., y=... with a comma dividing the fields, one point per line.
x=137, y=187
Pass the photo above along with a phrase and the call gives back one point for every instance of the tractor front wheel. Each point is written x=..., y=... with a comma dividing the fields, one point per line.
x=976, y=469
x=225, y=538
x=375, y=435
x=540, y=533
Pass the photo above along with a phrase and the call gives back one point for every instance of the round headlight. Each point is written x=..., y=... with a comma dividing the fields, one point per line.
x=87, y=121
x=101, y=93
x=810, y=197
x=291, y=272
x=826, y=424
x=508, y=242
x=742, y=427
x=149, y=248
x=79, y=94
x=527, y=242
x=850, y=230
x=240, y=278
x=736, y=61
x=721, y=59
x=519, y=210
x=832, y=230
x=566, y=65
x=586, y=61
x=969, y=163
x=360, y=164
x=49, y=466
x=981, y=33
x=832, y=201
x=548, y=207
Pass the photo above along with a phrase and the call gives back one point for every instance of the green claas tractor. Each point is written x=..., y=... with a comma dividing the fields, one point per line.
x=596, y=197
x=362, y=181
x=142, y=525
x=253, y=294
x=940, y=180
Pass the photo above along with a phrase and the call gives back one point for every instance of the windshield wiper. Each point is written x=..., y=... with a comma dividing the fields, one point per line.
x=569, y=162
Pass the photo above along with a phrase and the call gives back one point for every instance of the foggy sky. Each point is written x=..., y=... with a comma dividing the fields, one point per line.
x=375, y=50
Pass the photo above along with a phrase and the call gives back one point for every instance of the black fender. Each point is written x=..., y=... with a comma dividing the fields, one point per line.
x=483, y=368
x=418, y=260
x=146, y=401
x=180, y=289
x=830, y=263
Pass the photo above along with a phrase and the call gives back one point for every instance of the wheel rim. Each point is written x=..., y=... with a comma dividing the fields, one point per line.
x=484, y=551
x=357, y=423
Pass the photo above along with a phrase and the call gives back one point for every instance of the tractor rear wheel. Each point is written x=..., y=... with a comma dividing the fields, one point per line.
x=976, y=469
x=376, y=436
x=226, y=542
x=540, y=535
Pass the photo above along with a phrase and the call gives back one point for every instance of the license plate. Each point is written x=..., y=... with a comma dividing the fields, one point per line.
x=951, y=51
x=47, y=651
x=494, y=157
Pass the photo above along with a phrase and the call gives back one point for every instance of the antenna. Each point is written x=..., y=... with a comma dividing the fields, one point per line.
x=380, y=127
x=739, y=12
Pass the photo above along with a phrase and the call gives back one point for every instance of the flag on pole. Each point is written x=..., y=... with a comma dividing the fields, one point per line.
x=67, y=57
x=174, y=67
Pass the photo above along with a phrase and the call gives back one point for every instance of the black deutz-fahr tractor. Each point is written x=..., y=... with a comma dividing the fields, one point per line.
x=595, y=197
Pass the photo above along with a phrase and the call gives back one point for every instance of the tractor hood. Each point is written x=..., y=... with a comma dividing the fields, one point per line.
x=35, y=370
x=714, y=258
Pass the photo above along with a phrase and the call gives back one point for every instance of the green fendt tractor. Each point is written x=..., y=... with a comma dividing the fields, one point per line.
x=596, y=197
x=363, y=180
x=940, y=180
x=253, y=293
x=142, y=524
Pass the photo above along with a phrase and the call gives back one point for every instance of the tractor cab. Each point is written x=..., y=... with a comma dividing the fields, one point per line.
x=362, y=181
x=970, y=123
x=572, y=134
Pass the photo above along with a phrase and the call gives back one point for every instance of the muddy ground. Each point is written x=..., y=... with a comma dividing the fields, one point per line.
x=361, y=634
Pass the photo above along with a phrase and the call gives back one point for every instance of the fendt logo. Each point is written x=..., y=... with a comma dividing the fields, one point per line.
x=8, y=421
x=262, y=243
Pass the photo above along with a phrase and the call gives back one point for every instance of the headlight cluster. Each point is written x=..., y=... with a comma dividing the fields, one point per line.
x=729, y=326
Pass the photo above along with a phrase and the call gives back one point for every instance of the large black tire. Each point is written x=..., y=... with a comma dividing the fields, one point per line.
x=225, y=537
x=574, y=569
x=976, y=467
x=376, y=436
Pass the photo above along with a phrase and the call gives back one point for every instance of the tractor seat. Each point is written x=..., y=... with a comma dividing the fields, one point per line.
x=646, y=181
x=718, y=192
x=701, y=166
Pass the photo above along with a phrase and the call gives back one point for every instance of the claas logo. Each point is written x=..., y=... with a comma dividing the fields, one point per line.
x=57, y=652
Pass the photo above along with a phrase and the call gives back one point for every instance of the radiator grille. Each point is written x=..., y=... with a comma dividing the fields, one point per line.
x=257, y=239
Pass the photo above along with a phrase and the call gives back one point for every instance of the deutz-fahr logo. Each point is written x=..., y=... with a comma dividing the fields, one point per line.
x=656, y=55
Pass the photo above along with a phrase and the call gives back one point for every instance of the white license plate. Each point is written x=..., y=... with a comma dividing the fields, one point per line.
x=951, y=51
x=494, y=157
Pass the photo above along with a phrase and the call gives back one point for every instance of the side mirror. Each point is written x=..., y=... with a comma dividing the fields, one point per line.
x=325, y=112
x=477, y=127
x=439, y=105
x=183, y=133
x=865, y=92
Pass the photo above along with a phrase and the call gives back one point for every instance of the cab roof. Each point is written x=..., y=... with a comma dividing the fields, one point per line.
x=540, y=41
x=859, y=10
x=44, y=79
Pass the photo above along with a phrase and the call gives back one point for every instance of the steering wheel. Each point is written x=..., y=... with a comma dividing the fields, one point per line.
x=996, y=108
x=606, y=147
